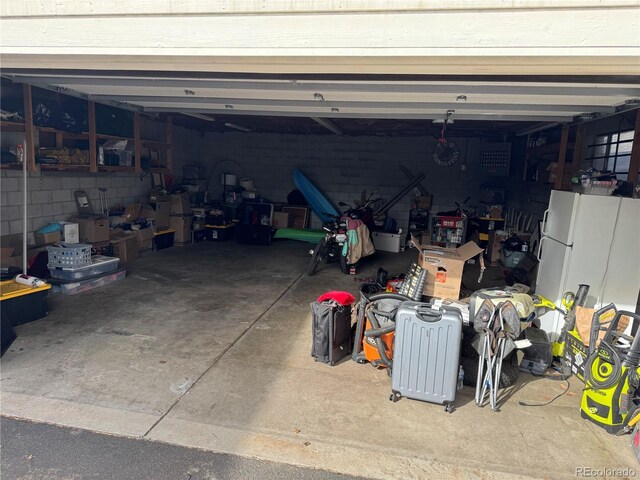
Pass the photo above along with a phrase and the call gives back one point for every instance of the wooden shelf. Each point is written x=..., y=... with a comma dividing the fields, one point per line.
x=11, y=126
x=11, y=166
x=103, y=136
x=31, y=131
x=63, y=167
x=114, y=168
x=548, y=148
x=71, y=135
x=153, y=144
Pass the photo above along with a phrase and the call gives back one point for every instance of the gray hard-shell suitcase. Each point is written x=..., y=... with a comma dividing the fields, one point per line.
x=426, y=354
x=330, y=331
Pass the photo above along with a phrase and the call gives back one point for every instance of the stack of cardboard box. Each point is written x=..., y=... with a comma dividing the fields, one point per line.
x=181, y=218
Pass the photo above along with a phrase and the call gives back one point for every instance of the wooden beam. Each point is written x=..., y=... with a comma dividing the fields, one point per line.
x=562, y=156
x=634, y=163
x=577, y=152
x=29, y=130
x=93, y=146
x=59, y=140
x=170, y=143
x=137, y=142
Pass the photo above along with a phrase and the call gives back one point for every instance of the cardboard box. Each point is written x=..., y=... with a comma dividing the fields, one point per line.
x=299, y=216
x=281, y=220
x=157, y=197
x=162, y=215
x=11, y=250
x=182, y=226
x=93, y=228
x=125, y=247
x=70, y=232
x=423, y=202
x=132, y=212
x=115, y=232
x=148, y=212
x=444, y=267
x=180, y=204
x=6, y=252
x=495, y=245
x=47, y=238
x=145, y=239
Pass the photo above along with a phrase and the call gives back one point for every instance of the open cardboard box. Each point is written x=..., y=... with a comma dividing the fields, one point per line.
x=444, y=267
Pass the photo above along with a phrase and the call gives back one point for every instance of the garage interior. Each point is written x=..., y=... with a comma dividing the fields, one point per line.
x=201, y=336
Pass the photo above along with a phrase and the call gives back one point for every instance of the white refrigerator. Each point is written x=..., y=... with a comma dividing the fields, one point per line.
x=589, y=239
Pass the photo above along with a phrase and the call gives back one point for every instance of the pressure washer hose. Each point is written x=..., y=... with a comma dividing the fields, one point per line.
x=611, y=379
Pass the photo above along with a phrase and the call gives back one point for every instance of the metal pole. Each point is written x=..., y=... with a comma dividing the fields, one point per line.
x=24, y=205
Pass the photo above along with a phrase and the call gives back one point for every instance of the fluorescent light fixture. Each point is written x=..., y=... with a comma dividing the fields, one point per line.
x=237, y=127
x=328, y=124
x=200, y=116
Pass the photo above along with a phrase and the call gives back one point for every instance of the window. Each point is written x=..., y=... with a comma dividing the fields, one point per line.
x=612, y=152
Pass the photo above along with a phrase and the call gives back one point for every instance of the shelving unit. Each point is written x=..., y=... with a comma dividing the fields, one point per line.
x=448, y=231
x=90, y=141
x=566, y=152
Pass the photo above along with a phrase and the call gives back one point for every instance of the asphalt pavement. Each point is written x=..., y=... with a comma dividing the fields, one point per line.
x=38, y=451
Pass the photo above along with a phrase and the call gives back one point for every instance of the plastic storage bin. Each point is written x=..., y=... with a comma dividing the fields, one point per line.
x=73, y=288
x=22, y=303
x=163, y=239
x=511, y=259
x=99, y=265
x=70, y=255
x=219, y=232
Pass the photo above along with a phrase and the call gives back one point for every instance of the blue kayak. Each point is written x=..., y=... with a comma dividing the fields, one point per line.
x=317, y=201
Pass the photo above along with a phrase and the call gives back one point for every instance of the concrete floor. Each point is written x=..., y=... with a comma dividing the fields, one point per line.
x=208, y=346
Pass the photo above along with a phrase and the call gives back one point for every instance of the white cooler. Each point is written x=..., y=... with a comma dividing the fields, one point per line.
x=388, y=242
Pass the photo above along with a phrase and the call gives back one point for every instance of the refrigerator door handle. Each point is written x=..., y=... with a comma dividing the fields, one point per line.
x=540, y=246
x=543, y=231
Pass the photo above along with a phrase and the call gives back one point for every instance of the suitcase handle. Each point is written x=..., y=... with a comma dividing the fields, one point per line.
x=427, y=314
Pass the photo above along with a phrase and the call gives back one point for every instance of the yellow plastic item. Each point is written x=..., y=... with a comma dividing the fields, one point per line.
x=540, y=301
x=162, y=232
x=10, y=289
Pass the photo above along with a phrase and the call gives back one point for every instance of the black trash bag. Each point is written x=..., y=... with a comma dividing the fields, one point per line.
x=513, y=244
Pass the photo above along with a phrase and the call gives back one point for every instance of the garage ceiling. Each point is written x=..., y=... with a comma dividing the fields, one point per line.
x=382, y=105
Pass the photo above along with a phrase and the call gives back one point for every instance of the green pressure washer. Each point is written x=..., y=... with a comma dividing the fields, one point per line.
x=612, y=370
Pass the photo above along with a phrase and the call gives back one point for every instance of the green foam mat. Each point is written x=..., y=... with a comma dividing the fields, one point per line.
x=300, y=234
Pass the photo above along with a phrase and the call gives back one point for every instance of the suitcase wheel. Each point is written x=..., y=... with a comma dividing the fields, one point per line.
x=448, y=407
x=394, y=397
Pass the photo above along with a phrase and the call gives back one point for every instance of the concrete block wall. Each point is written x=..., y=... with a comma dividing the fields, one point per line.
x=343, y=166
x=50, y=196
